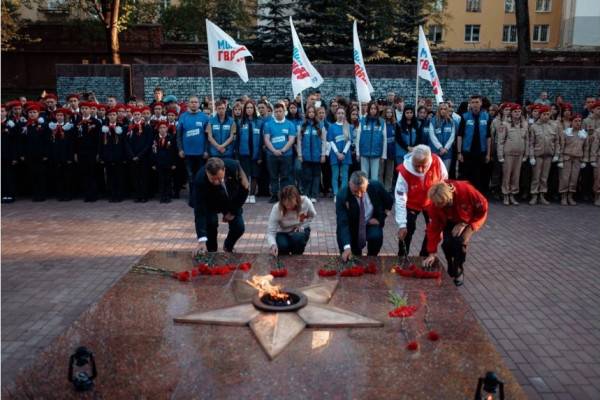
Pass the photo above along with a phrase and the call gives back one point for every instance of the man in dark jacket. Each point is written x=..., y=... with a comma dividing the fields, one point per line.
x=220, y=187
x=361, y=208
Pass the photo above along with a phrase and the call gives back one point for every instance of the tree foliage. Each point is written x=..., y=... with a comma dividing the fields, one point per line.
x=12, y=24
x=273, y=41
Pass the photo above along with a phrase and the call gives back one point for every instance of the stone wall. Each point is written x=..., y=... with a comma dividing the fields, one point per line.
x=458, y=81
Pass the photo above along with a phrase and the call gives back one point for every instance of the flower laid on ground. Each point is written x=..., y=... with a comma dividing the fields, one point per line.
x=433, y=336
x=401, y=307
x=412, y=346
x=371, y=268
x=245, y=266
x=279, y=270
x=415, y=272
x=329, y=269
x=357, y=270
x=204, y=269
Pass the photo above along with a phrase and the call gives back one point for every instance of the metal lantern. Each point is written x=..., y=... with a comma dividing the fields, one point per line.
x=489, y=388
x=83, y=380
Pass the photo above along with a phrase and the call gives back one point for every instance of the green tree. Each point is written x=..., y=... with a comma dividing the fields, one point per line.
x=273, y=41
x=12, y=24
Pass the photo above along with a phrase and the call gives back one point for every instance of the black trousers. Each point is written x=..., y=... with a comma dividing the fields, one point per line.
x=236, y=230
x=165, y=177
x=87, y=165
x=115, y=180
x=374, y=241
x=455, y=249
x=192, y=165
x=411, y=226
x=475, y=170
x=292, y=242
x=38, y=178
x=139, y=177
x=9, y=172
x=63, y=180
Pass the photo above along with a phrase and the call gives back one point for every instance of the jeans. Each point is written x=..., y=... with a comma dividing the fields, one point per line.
x=311, y=178
x=411, y=226
x=292, y=242
x=280, y=170
x=236, y=230
x=339, y=171
x=370, y=166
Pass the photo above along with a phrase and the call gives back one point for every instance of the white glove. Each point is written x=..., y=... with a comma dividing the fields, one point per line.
x=582, y=165
x=501, y=160
x=524, y=159
x=555, y=159
x=532, y=161
x=23, y=119
x=40, y=120
x=118, y=130
x=67, y=126
x=593, y=164
x=52, y=125
x=105, y=129
x=560, y=165
x=10, y=123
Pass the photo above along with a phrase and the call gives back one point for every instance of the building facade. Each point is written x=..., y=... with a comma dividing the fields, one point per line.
x=491, y=24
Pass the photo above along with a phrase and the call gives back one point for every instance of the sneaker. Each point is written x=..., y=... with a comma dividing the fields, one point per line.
x=313, y=200
x=248, y=200
x=252, y=199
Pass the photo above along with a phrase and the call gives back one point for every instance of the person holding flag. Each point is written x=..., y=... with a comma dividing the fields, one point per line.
x=304, y=75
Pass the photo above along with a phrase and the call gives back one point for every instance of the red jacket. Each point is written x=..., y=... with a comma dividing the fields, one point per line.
x=417, y=188
x=468, y=206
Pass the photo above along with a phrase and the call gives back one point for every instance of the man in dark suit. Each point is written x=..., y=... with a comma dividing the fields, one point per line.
x=361, y=208
x=220, y=187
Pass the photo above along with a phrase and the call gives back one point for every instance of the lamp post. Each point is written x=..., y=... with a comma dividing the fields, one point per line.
x=84, y=378
x=490, y=385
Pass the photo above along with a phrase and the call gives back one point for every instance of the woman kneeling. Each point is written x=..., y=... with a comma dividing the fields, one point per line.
x=288, y=230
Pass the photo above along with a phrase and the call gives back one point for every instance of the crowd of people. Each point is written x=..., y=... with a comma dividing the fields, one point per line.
x=542, y=151
x=370, y=157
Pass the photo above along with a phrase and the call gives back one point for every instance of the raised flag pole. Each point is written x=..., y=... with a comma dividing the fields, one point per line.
x=417, y=89
x=302, y=102
x=212, y=90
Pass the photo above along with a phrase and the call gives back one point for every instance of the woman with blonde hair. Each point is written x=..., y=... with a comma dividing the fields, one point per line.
x=288, y=228
x=339, y=136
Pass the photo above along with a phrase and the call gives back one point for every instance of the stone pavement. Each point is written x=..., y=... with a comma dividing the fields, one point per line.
x=532, y=277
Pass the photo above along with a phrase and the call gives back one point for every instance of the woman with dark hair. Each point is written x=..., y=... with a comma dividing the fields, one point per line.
x=249, y=147
x=288, y=230
x=333, y=106
x=424, y=126
x=387, y=167
x=407, y=134
x=371, y=141
x=311, y=147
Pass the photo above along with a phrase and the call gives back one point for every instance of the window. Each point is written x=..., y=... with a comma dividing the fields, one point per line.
x=474, y=5
x=509, y=34
x=543, y=5
x=509, y=6
x=472, y=33
x=541, y=33
x=435, y=34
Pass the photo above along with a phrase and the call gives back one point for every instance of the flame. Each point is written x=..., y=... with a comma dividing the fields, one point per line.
x=264, y=285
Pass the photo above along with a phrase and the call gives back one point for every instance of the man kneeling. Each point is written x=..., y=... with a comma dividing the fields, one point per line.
x=457, y=210
x=360, y=209
x=220, y=187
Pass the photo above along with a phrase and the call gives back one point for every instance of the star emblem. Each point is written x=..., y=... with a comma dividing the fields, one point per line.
x=275, y=330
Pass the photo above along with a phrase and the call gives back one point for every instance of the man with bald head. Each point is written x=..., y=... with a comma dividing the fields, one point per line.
x=420, y=170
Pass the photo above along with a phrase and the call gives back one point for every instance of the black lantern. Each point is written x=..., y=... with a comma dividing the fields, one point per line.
x=490, y=385
x=83, y=380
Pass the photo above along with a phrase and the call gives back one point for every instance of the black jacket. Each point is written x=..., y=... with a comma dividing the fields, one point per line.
x=37, y=141
x=165, y=155
x=9, y=144
x=62, y=145
x=112, y=145
x=211, y=199
x=347, y=210
x=87, y=142
x=139, y=143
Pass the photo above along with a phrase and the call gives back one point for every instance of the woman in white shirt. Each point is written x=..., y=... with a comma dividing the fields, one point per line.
x=288, y=230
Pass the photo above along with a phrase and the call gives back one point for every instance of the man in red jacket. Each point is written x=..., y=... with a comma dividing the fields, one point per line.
x=457, y=210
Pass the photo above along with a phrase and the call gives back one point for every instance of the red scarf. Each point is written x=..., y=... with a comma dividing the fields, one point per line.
x=137, y=127
x=58, y=133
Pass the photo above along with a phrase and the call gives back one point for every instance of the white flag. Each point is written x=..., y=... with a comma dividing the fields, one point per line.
x=304, y=75
x=224, y=52
x=425, y=67
x=363, y=84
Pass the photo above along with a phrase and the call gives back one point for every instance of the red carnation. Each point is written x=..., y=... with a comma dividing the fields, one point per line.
x=327, y=272
x=402, y=312
x=412, y=346
x=371, y=268
x=279, y=273
x=183, y=276
x=195, y=272
x=245, y=266
x=353, y=271
x=433, y=336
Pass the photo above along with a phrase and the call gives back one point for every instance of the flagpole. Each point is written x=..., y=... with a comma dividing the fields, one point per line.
x=302, y=103
x=212, y=89
x=417, y=89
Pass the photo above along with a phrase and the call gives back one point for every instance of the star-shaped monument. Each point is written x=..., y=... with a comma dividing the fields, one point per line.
x=275, y=330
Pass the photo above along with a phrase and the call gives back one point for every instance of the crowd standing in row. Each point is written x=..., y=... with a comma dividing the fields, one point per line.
x=136, y=150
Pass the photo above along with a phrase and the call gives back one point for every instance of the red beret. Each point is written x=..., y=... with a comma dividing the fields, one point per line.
x=102, y=107
x=13, y=103
x=577, y=116
x=543, y=109
x=88, y=104
x=145, y=108
x=514, y=106
x=33, y=107
x=112, y=110
x=172, y=111
x=135, y=109
x=51, y=96
x=158, y=103
x=596, y=104
x=72, y=95
x=566, y=106
x=64, y=111
x=120, y=107
x=95, y=105
x=162, y=123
